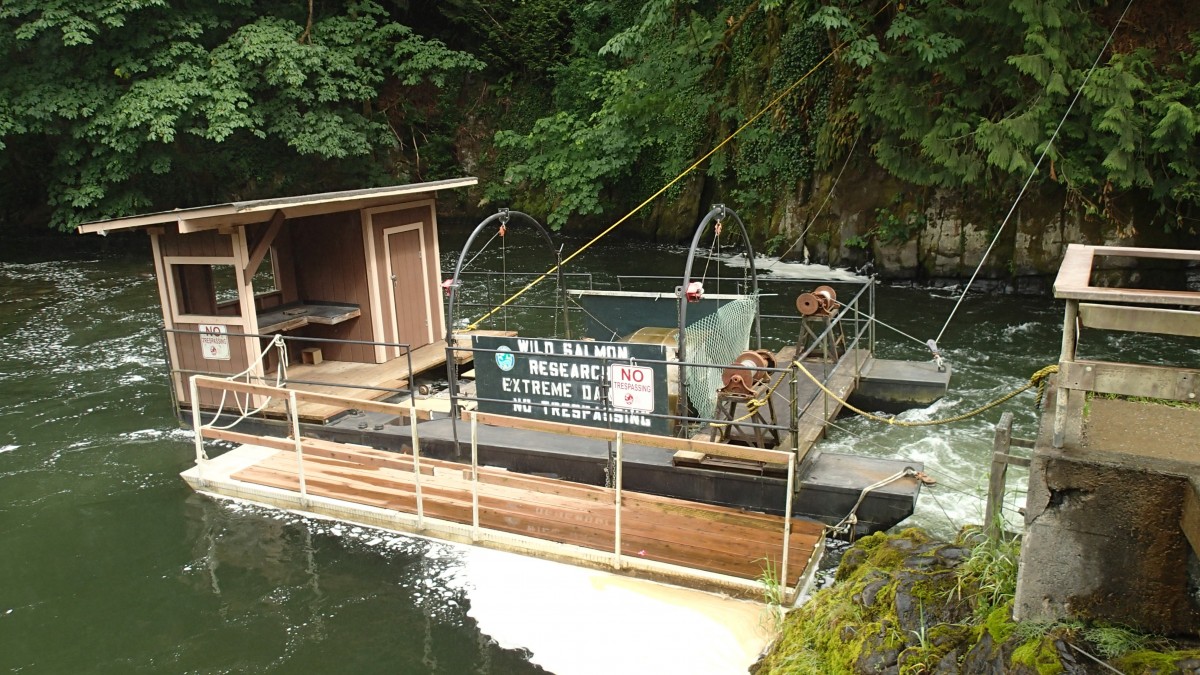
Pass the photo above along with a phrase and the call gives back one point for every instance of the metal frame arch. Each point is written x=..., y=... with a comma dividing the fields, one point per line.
x=719, y=212
x=504, y=216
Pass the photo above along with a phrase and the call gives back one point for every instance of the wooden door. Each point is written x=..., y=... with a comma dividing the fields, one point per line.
x=409, y=286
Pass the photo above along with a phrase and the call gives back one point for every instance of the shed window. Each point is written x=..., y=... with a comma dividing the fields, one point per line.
x=207, y=290
x=264, y=280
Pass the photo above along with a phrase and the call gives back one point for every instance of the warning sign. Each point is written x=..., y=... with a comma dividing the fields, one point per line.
x=214, y=342
x=632, y=387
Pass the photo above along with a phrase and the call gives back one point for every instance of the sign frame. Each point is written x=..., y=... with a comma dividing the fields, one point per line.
x=569, y=381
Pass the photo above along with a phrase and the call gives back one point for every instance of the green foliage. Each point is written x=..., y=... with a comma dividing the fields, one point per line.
x=137, y=105
x=992, y=570
x=1040, y=655
x=632, y=112
x=1115, y=641
x=978, y=113
x=530, y=38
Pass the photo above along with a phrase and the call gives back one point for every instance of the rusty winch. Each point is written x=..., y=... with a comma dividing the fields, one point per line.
x=740, y=378
x=821, y=302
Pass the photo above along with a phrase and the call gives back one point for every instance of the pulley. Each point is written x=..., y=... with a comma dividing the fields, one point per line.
x=694, y=291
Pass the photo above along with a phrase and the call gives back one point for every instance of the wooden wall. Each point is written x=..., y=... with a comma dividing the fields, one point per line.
x=190, y=359
x=424, y=214
x=196, y=244
x=329, y=262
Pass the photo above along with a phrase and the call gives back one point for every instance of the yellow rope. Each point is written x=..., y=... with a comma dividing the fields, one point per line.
x=753, y=118
x=752, y=405
x=1034, y=381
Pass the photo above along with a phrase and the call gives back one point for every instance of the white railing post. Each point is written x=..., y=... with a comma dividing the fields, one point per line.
x=416, y=446
x=294, y=419
x=787, y=522
x=617, y=504
x=474, y=475
x=194, y=392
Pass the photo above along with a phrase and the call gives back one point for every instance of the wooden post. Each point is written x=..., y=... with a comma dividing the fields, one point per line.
x=617, y=505
x=294, y=418
x=194, y=392
x=1068, y=355
x=787, y=522
x=416, y=447
x=997, y=480
x=474, y=475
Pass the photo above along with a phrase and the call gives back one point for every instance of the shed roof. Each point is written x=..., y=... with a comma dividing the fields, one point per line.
x=260, y=210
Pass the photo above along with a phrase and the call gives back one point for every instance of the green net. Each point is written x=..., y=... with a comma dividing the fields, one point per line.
x=717, y=339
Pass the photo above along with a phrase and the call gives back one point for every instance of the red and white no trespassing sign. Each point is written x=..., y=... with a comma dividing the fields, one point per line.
x=214, y=342
x=631, y=387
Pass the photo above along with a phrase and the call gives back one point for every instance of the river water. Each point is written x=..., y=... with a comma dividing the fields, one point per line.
x=109, y=563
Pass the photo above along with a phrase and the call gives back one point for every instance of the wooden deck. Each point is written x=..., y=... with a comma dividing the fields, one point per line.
x=715, y=539
x=350, y=380
x=360, y=381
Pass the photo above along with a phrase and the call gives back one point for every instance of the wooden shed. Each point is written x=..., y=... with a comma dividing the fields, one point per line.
x=351, y=277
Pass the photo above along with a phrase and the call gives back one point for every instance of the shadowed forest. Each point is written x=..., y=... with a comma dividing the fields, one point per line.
x=578, y=111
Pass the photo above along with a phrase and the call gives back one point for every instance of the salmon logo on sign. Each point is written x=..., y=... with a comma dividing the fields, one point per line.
x=632, y=387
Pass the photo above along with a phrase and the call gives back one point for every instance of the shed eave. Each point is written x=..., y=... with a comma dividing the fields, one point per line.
x=242, y=213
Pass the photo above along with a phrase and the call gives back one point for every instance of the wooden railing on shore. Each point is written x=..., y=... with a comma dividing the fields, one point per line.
x=1121, y=309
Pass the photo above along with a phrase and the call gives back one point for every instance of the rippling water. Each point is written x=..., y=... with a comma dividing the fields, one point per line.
x=109, y=563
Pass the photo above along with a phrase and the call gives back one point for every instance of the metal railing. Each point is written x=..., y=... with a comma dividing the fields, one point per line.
x=618, y=559
x=291, y=342
x=490, y=287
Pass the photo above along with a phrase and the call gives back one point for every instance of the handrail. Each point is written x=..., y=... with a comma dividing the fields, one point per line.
x=298, y=443
x=605, y=405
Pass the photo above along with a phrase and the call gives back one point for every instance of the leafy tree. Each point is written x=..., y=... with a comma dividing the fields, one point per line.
x=632, y=107
x=121, y=106
x=948, y=108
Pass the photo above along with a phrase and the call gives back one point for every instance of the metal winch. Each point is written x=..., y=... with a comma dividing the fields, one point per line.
x=738, y=378
x=745, y=385
x=821, y=332
x=822, y=301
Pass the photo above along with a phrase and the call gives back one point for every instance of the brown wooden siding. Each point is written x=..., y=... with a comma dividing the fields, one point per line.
x=285, y=264
x=383, y=220
x=196, y=244
x=330, y=264
x=191, y=360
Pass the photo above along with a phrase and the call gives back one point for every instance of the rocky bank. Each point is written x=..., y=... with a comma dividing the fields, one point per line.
x=906, y=603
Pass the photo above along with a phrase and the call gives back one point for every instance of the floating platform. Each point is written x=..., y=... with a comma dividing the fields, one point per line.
x=667, y=539
x=895, y=386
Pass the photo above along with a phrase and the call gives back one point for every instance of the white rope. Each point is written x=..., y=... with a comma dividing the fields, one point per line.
x=851, y=519
x=1033, y=173
x=280, y=376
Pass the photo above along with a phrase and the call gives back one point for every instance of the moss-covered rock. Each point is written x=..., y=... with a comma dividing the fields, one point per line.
x=908, y=604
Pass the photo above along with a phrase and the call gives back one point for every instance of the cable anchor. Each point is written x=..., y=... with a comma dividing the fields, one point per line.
x=937, y=354
x=503, y=221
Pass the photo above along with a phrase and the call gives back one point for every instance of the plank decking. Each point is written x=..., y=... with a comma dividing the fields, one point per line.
x=715, y=539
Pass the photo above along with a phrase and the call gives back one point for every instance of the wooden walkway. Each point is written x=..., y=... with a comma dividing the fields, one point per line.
x=347, y=379
x=698, y=536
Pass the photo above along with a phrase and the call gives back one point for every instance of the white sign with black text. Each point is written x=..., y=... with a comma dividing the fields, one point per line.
x=631, y=387
x=214, y=342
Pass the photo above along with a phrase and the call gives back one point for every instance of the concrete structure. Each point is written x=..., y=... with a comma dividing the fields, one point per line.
x=1113, y=511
